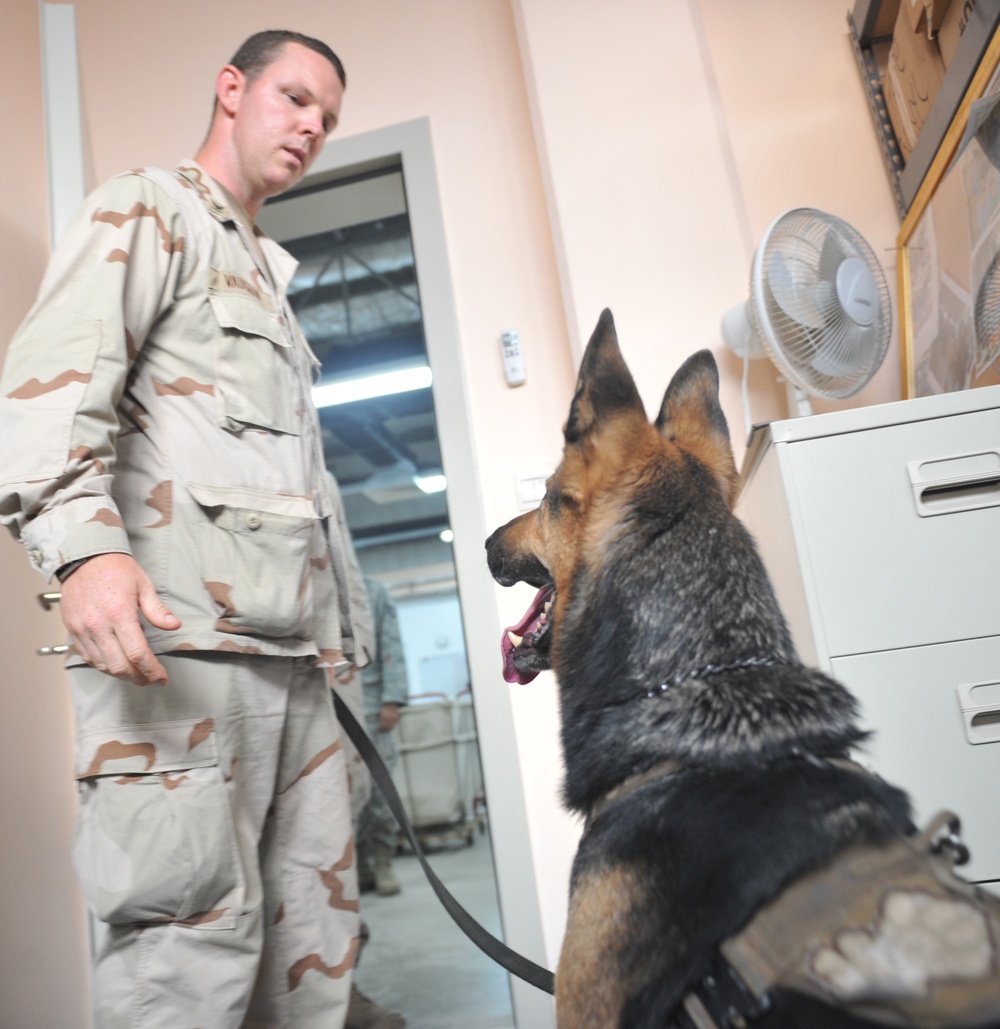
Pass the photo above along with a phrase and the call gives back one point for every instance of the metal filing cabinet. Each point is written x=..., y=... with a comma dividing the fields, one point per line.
x=880, y=528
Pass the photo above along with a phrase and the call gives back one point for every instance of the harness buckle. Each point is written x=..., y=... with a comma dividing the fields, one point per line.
x=721, y=1000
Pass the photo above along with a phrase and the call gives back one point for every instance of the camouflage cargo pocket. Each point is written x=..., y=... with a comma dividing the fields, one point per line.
x=155, y=840
x=256, y=564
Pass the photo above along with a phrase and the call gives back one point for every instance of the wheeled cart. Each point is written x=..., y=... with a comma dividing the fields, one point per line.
x=438, y=774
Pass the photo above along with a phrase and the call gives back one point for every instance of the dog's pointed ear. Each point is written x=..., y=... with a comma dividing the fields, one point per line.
x=692, y=417
x=604, y=386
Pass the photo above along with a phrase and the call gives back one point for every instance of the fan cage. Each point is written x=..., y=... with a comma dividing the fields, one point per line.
x=802, y=324
x=987, y=318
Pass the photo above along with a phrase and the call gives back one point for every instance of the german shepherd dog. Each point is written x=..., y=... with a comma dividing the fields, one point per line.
x=710, y=765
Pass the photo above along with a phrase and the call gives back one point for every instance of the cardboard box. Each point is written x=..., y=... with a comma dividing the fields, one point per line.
x=935, y=12
x=925, y=15
x=900, y=125
x=952, y=27
x=911, y=81
x=885, y=18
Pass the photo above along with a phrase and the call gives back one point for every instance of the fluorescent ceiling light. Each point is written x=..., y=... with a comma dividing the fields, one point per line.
x=446, y=536
x=382, y=384
x=431, y=483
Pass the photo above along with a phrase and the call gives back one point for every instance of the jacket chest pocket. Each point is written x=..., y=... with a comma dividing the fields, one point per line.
x=257, y=380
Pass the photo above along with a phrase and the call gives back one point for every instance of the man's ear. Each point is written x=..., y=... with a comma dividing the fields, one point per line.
x=229, y=86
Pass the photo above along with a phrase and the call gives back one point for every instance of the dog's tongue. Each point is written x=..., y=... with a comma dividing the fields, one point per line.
x=528, y=624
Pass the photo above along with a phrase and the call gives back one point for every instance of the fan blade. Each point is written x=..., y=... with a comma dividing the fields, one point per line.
x=844, y=349
x=789, y=279
x=836, y=249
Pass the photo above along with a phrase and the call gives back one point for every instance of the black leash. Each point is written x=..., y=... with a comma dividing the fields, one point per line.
x=515, y=963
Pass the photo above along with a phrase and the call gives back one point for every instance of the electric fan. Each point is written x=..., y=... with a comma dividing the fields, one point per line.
x=987, y=317
x=818, y=307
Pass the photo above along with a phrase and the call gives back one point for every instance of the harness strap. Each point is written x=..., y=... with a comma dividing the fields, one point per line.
x=634, y=782
x=509, y=959
x=831, y=933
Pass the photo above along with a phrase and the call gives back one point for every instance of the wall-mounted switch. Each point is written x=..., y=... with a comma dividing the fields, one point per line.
x=513, y=358
x=531, y=489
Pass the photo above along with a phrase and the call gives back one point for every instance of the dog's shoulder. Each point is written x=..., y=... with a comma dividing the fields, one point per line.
x=690, y=858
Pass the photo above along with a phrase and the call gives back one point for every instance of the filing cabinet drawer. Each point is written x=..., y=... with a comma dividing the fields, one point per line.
x=913, y=700
x=898, y=526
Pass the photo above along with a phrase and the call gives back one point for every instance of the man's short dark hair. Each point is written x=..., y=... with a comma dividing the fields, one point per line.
x=262, y=48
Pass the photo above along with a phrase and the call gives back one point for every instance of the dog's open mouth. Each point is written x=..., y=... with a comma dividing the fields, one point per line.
x=525, y=646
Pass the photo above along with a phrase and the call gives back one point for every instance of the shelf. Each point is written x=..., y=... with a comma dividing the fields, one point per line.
x=867, y=27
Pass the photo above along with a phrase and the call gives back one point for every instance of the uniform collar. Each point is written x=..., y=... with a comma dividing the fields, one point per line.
x=212, y=195
x=224, y=207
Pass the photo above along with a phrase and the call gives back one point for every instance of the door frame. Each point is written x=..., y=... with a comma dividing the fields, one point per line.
x=410, y=144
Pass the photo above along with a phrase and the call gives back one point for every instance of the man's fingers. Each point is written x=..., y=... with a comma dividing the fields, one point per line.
x=145, y=669
x=155, y=611
x=101, y=604
x=124, y=654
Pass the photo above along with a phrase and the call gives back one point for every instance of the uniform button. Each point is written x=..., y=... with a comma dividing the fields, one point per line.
x=253, y=521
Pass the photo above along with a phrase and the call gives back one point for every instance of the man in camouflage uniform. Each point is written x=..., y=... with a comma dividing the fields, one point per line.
x=160, y=455
x=384, y=689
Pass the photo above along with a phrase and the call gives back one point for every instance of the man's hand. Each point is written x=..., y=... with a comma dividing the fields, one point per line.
x=100, y=607
x=388, y=717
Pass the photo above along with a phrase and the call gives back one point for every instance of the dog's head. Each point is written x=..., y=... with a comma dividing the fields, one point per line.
x=613, y=457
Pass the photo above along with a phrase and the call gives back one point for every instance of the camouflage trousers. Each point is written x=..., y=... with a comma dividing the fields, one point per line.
x=376, y=822
x=214, y=845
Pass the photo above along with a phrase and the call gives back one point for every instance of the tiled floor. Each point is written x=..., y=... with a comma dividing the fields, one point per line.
x=419, y=963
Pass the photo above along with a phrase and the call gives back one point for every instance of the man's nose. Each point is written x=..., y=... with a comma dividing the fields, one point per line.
x=312, y=123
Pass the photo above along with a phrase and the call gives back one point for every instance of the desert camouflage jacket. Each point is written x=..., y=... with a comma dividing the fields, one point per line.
x=156, y=401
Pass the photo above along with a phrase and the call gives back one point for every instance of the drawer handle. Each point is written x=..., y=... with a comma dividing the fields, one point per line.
x=949, y=485
x=952, y=496
x=980, y=706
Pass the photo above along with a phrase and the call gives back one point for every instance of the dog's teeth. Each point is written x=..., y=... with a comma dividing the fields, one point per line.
x=542, y=617
x=548, y=606
x=516, y=640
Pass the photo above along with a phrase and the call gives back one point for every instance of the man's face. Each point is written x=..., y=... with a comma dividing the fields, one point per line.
x=282, y=120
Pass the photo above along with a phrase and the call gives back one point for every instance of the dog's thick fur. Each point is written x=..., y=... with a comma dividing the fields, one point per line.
x=654, y=581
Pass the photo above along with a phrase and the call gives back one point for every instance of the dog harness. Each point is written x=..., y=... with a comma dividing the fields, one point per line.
x=888, y=934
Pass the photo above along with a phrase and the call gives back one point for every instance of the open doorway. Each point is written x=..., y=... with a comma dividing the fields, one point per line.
x=357, y=294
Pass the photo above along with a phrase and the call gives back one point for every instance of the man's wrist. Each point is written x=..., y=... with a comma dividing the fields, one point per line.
x=63, y=572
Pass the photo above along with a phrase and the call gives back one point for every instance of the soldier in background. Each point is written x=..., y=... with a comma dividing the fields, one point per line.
x=385, y=690
x=362, y=1011
x=160, y=455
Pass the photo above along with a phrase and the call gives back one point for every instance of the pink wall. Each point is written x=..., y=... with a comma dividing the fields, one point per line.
x=41, y=916
x=584, y=159
x=671, y=137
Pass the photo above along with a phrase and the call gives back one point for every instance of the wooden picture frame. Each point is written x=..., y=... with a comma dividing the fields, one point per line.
x=940, y=263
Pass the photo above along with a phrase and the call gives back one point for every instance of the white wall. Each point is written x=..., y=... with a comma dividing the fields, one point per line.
x=433, y=644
